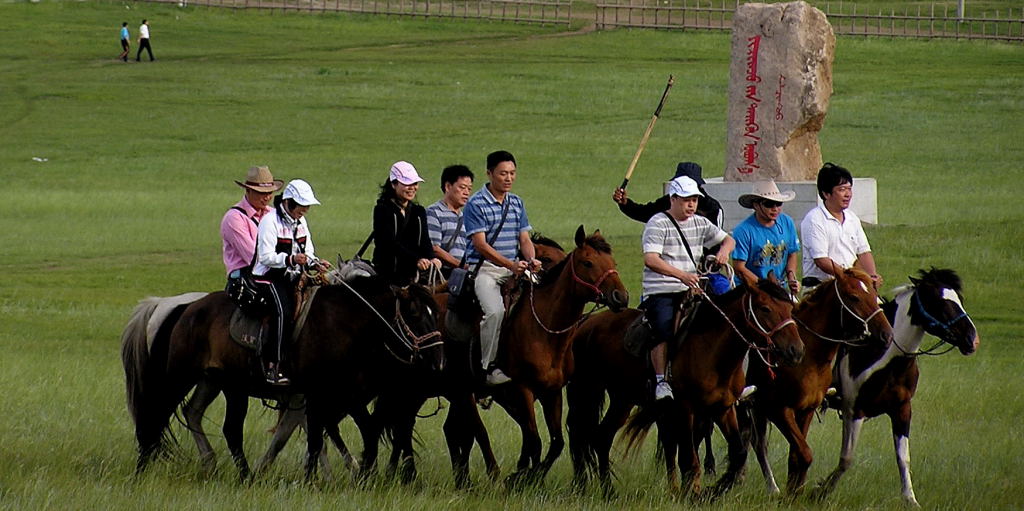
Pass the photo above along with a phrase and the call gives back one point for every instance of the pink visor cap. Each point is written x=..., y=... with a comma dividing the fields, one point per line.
x=405, y=173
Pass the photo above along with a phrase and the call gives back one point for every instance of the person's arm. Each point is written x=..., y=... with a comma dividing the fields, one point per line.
x=644, y=212
x=726, y=248
x=488, y=252
x=654, y=261
x=425, y=248
x=234, y=230
x=866, y=262
x=528, y=250
x=740, y=266
x=791, y=281
x=266, y=245
x=436, y=239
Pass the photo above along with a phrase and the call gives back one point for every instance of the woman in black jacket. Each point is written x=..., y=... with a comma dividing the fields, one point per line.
x=401, y=243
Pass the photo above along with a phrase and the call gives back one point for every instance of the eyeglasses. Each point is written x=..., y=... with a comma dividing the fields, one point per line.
x=770, y=204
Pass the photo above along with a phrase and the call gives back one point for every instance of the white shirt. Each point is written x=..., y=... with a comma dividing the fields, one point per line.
x=662, y=238
x=144, y=31
x=823, y=235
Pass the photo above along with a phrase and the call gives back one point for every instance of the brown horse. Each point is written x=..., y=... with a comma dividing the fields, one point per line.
x=842, y=311
x=706, y=373
x=874, y=382
x=199, y=351
x=397, y=410
x=536, y=349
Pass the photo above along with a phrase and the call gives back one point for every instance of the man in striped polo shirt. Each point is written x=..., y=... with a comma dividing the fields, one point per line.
x=482, y=217
x=670, y=270
x=444, y=217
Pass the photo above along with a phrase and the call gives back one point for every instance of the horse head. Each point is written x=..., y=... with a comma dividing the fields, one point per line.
x=594, y=269
x=860, y=315
x=937, y=307
x=768, y=310
x=548, y=251
x=416, y=318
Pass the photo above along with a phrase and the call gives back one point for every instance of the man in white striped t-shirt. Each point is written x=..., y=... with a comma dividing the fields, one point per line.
x=670, y=270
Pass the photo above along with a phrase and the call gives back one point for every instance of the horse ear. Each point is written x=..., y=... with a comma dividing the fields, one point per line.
x=581, y=236
x=772, y=278
x=914, y=281
x=597, y=233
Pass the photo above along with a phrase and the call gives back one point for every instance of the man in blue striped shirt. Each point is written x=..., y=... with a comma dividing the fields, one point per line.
x=444, y=217
x=482, y=217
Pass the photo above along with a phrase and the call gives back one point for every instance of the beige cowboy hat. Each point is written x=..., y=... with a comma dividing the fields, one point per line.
x=261, y=180
x=765, y=190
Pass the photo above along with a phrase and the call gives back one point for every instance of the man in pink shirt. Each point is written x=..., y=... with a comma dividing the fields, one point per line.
x=241, y=223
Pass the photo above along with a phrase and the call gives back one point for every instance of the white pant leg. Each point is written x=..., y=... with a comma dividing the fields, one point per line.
x=488, y=292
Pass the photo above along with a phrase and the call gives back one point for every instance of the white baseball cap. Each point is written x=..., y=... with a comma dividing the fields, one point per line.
x=405, y=173
x=683, y=186
x=300, y=191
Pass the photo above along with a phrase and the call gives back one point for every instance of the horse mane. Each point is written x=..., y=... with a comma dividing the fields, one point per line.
x=539, y=239
x=815, y=296
x=595, y=241
x=941, y=277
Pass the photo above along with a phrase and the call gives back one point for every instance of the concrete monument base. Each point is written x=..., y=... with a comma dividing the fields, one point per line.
x=864, y=204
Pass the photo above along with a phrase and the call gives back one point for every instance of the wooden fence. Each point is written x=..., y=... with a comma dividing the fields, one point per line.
x=922, y=22
x=545, y=12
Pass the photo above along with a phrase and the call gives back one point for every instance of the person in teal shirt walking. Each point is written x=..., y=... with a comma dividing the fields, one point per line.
x=125, y=42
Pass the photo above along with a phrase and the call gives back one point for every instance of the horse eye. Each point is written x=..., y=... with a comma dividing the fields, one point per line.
x=588, y=264
x=764, y=308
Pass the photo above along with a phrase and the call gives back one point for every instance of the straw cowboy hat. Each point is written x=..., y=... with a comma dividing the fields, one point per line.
x=765, y=190
x=261, y=180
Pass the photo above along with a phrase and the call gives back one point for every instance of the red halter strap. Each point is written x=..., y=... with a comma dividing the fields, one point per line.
x=595, y=287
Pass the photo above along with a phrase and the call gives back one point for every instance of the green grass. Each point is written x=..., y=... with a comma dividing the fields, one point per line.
x=141, y=159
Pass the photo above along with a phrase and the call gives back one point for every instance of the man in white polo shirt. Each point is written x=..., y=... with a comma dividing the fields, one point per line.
x=671, y=242
x=832, y=236
x=144, y=41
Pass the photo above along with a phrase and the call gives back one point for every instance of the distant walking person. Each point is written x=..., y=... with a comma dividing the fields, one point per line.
x=144, y=42
x=125, y=42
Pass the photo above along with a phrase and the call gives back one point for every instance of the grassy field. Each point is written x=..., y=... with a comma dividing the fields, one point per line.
x=140, y=159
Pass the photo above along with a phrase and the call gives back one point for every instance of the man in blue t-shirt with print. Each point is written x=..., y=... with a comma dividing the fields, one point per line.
x=482, y=218
x=766, y=241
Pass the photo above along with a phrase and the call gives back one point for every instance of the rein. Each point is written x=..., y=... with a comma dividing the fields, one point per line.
x=854, y=341
x=593, y=287
x=749, y=314
x=414, y=346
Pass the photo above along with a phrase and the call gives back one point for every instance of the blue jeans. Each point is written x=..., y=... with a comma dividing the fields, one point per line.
x=661, y=310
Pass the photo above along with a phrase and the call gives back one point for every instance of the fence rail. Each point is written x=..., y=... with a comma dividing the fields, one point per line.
x=545, y=12
x=921, y=23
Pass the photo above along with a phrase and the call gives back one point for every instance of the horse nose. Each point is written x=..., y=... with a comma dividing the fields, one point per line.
x=619, y=300
x=795, y=354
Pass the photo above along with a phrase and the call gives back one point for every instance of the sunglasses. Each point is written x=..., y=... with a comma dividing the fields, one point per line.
x=770, y=204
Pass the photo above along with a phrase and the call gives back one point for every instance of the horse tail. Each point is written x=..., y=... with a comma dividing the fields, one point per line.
x=144, y=346
x=135, y=354
x=640, y=422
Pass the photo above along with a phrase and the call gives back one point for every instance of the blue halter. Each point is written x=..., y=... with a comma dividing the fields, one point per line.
x=932, y=320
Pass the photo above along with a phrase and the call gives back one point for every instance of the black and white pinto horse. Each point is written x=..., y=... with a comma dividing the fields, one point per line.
x=876, y=382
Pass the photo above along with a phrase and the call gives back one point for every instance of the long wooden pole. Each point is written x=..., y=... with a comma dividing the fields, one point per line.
x=647, y=133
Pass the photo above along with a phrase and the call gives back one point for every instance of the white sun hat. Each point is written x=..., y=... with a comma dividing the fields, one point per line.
x=300, y=191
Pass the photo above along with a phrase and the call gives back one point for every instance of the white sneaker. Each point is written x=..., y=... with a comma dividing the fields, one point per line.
x=663, y=391
x=496, y=377
x=747, y=391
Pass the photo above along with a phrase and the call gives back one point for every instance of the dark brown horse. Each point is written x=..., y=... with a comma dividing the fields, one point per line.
x=843, y=311
x=875, y=382
x=536, y=348
x=706, y=373
x=199, y=350
x=457, y=384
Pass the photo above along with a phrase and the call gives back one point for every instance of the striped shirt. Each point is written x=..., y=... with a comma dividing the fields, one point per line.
x=483, y=214
x=441, y=225
x=660, y=237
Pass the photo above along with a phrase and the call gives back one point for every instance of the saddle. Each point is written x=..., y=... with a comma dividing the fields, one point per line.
x=251, y=332
x=640, y=339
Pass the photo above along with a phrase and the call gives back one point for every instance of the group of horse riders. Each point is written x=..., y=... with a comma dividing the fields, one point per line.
x=489, y=231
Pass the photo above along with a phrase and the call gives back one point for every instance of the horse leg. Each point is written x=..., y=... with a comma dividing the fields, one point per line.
x=551, y=403
x=288, y=419
x=759, y=435
x=234, y=425
x=518, y=402
x=667, y=432
x=800, y=454
x=204, y=395
x=370, y=431
x=581, y=423
x=851, y=433
x=314, y=437
x=402, y=427
x=900, y=420
x=737, y=453
x=455, y=437
x=709, y=453
x=614, y=418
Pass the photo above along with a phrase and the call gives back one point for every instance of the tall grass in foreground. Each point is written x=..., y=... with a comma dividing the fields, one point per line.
x=141, y=159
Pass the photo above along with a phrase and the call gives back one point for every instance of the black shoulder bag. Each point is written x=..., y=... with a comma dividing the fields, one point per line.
x=461, y=294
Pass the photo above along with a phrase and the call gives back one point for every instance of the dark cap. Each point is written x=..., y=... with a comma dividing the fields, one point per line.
x=690, y=170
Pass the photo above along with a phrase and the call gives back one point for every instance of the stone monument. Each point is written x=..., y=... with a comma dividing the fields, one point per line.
x=780, y=83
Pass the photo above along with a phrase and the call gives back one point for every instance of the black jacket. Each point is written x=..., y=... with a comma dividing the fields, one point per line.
x=399, y=241
x=707, y=207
